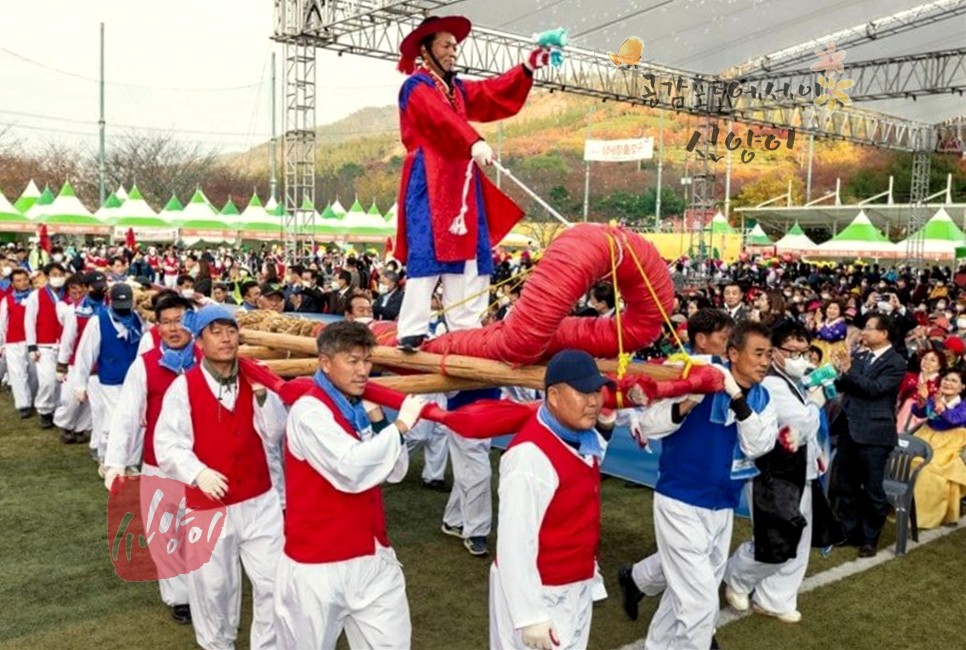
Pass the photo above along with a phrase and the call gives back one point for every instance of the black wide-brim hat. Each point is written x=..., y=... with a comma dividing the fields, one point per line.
x=458, y=26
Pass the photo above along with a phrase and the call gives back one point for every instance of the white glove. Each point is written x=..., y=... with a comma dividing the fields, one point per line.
x=540, y=636
x=637, y=432
x=411, y=409
x=481, y=153
x=212, y=483
x=607, y=418
x=80, y=394
x=697, y=398
x=61, y=377
x=790, y=438
x=35, y=357
x=730, y=385
x=111, y=473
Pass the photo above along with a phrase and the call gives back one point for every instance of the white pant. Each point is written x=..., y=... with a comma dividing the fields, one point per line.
x=170, y=281
x=470, y=502
x=174, y=591
x=102, y=398
x=774, y=586
x=72, y=415
x=416, y=307
x=365, y=595
x=432, y=437
x=22, y=374
x=692, y=545
x=48, y=388
x=252, y=536
x=571, y=608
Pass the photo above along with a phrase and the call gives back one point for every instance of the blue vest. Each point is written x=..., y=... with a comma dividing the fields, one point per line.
x=695, y=465
x=116, y=354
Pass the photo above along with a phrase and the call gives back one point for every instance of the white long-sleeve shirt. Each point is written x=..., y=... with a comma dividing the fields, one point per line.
x=88, y=350
x=125, y=441
x=803, y=416
x=4, y=321
x=350, y=465
x=32, y=307
x=174, y=436
x=528, y=482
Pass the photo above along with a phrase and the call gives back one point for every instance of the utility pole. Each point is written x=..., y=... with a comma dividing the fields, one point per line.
x=273, y=161
x=660, y=164
x=102, y=126
x=590, y=114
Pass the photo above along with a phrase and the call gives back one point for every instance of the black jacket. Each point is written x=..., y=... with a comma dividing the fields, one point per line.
x=387, y=305
x=870, y=391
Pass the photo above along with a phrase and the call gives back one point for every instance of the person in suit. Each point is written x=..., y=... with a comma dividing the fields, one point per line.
x=338, y=298
x=866, y=432
x=734, y=302
x=389, y=302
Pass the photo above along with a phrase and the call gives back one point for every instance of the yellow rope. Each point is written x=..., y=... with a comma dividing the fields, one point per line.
x=512, y=278
x=623, y=359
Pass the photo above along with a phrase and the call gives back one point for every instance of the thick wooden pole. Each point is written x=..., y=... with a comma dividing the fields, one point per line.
x=263, y=352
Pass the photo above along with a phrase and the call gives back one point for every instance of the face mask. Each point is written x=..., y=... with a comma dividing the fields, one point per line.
x=7, y=271
x=194, y=272
x=797, y=368
x=383, y=288
x=365, y=320
x=58, y=257
x=188, y=293
x=941, y=306
x=884, y=307
x=57, y=283
x=961, y=323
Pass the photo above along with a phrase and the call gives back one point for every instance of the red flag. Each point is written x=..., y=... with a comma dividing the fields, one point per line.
x=44, y=237
x=388, y=247
x=129, y=239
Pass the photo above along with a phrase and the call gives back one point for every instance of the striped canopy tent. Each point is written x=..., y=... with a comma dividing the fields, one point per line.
x=10, y=218
x=392, y=216
x=68, y=216
x=338, y=209
x=28, y=197
x=231, y=215
x=108, y=212
x=794, y=241
x=859, y=239
x=374, y=209
x=257, y=223
x=758, y=238
x=719, y=226
x=360, y=226
x=274, y=208
x=121, y=193
x=941, y=238
x=41, y=205
x=200, y=222
x=135, y=214
x=330, y=225
x=171, y=212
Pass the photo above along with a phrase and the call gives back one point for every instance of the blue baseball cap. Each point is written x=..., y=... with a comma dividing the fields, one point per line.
x=577, y=369
x=197, y=321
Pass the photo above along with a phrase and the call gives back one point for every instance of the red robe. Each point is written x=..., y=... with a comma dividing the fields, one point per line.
x=440, y=130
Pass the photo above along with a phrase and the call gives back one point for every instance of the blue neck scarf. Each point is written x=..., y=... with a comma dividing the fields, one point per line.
x=56, y=296
x=756, y=397
x=355, y=414
x=586, y=441
x=178, y=361
x=20, y=296
x=132, y=322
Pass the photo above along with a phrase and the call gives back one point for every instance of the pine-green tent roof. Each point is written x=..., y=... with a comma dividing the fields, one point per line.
x=860, y=238
x=256, y=219
x=39, y=206
x=108, y=211
x=68, y=210
x=11, y=219
x=28, y=197
x=720, y=226
x=795, y=240
x=136, y=213
x=941, y=237
x=230, y=209
x=199, y=214
x=757, y=237
x=373, y=209
x=171, y=212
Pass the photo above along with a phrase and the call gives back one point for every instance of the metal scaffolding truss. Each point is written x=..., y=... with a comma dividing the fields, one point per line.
x=903, y=21
x=917, y=216
x=914, y=75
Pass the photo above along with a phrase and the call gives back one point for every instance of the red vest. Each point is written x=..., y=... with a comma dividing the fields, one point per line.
x=158, y=380
x=15, y=320
x=322, y=523
x=48, y=327
x=81, y=326
x=570, y=532
x=226, y=441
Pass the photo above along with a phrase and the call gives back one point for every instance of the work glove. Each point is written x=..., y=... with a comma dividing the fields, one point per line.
x=411, y=409
x=538, y=58
x=212, y=483
x=540, y=636
x=35, y=357
x=61, y=372
x=607, y=418
x=481, y=153
x=111, y=473
x=80, y=394
x=817, y=396
x=637, y=431
x=790, y=439
x=730, y=385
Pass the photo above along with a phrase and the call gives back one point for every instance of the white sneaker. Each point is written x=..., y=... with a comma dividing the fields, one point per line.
x=739, y=602
x=793, y=616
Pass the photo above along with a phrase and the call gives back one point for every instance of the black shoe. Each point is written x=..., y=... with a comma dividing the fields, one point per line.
x=82, y=436
x=452, y=531
x=632, y=595
x=714, y=643
x=46, y=420
x=867, y=550
x=68, y=437
x=476, y=546
x=438, y=484
x=410, y=344
x=25, y=413
x=181, y=614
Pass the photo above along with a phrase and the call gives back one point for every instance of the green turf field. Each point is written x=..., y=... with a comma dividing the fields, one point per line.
x=58, y=588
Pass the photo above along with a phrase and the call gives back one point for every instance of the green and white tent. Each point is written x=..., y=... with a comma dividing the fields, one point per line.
x=859, y=239
x=719, y=226
x=338, y=209
x=374, y=209
x=794, y=241
x=274, y=208
x=257, y=223
x=392, y=217
x=68, y=216
x=41, y=205
x=172, y=211
x=200, y=222
x=757, y=238
x=121, y=193
x=359, y=225
x=230, y=215
x=330, y=224
x=136, y=214
x=940, y=237
x=108, y=212
x=11, y=220
x=29, y=196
